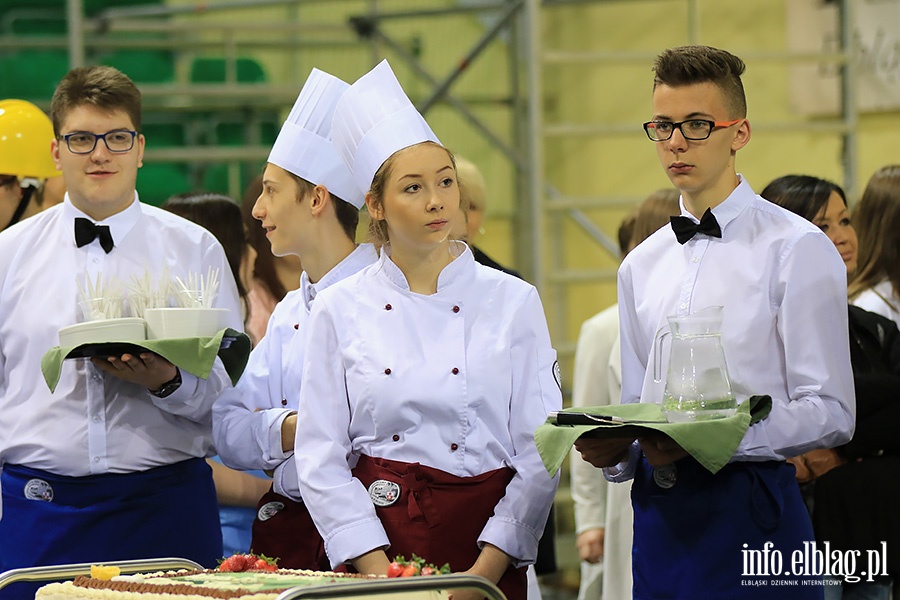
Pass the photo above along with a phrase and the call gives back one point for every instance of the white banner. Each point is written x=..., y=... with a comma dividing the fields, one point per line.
x=813, y=27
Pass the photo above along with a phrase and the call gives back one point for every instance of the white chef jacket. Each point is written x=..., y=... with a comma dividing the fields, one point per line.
x=458, y=380
x=247, y=418
x=95, y=423
x=880, y=299
x=783, y=287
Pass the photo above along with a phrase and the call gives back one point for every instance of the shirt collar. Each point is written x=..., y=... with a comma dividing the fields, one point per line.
x=363, y=255
x=739, y=199
x=452, y=273
x=119, y=224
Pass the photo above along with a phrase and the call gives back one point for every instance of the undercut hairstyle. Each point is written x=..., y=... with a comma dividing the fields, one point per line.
x=689, y=65
x=803, y=195
x=101, y=87
x=877, y=222
x=378, y=231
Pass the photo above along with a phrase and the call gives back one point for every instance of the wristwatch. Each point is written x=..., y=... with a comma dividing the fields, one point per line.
x=169, y=387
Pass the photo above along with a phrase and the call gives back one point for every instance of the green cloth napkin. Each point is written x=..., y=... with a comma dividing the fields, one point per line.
x=712, y=443
x=194, y=355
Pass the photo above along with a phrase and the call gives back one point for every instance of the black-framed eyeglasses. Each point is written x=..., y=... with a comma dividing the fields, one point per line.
x=692, y=129
x=84, y=142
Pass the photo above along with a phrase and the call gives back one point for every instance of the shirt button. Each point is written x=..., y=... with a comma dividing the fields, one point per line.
x=96, y=459
x=684, y=306
x=96, y=261
x=696, y=259
x=284, y=401
x=296, y=325
x=387, y=371
x=96, y=419
x=456, y=309
x=455, y=371
x=395, y=437
x=387, y=307
x=454, y=447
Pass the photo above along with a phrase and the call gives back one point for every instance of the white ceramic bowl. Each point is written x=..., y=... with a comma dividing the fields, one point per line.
x=171, y=323
x=126, y=329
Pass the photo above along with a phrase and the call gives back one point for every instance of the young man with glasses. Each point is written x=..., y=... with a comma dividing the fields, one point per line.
x=784, y=334
x=110, y=466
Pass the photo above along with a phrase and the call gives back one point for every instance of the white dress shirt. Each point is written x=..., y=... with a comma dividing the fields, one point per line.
x=783, y=287
x=96, y=423
x=458, y=380
x=881, y=299
x=247, y=418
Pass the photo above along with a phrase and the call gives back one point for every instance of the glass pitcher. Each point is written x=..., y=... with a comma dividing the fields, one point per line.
x=697, y=384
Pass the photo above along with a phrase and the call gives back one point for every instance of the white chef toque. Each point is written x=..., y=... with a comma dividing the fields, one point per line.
x=374, y=119
x=304, y=146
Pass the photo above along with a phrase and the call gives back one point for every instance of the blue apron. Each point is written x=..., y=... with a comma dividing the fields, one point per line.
x=51, y=519
x=693, y=531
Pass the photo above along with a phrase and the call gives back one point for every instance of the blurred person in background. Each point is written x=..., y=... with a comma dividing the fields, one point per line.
x=468, y=225
x=25, y=161
x=237, y=491
x=852, y=490
x=876, y=284
x=603, y=515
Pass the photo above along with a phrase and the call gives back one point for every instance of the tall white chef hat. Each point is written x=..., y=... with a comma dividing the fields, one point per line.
x=304, y=147
x=374, y=119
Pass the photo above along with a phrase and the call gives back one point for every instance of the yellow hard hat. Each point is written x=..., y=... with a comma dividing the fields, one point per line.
x=25, y=136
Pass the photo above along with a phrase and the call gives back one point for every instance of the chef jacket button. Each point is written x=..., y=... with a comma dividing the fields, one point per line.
x=388, y=307
x=284, y=401
x=296, y=325
x=454, y=447
x=395, y=437
x=455, y=371
x=387, y=371
x=456, y=309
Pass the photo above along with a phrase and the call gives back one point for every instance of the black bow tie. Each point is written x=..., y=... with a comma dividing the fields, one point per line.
x=87, y=231
x=685, y=228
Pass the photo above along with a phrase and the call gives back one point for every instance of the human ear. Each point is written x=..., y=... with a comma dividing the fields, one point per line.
x=54, y=152
x=741, y=136
x=374, y=206
x=318, y=199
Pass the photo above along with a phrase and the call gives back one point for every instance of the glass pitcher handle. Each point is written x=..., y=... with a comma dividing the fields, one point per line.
x=657, y=353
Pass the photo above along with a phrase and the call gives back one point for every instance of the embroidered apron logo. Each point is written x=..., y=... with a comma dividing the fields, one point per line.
x=665, y=476
x=269, y=510
x=384, y=493
x=38, y=489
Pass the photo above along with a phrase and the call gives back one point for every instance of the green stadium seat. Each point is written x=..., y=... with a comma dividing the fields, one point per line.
x=213, y=70
x=142, y=66
x=32, y=75
x=163, y=134
x=156, y=182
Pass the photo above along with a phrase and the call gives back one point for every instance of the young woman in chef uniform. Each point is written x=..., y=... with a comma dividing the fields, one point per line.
x=425, y=374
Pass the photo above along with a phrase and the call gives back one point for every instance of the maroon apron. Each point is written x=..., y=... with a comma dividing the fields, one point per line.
x=284, y=529
x=436, y=515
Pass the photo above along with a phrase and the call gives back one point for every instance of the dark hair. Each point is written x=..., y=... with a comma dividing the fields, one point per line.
x=877, y=221
x=264, y=266
x=378, y=233
x=347, y=214
x=623, y=234
x=653, y=213
x=687, y=65
x=221, y=216
x=803, y=195
x=102, y=87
